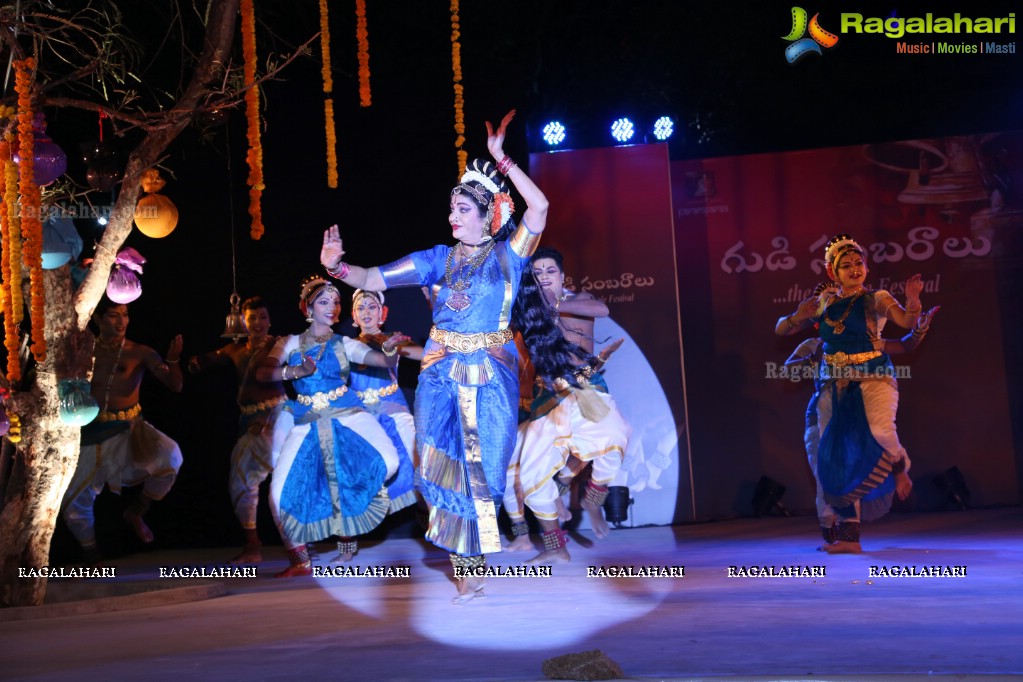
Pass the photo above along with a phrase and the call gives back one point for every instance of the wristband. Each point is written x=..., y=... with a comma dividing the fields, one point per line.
x=505, y=165
x=343, y=269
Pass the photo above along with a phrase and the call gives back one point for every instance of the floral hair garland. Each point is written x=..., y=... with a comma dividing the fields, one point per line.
x=504, y=208
x=839, y=246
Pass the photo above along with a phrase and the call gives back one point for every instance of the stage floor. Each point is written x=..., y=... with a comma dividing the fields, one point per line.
x=843, y=625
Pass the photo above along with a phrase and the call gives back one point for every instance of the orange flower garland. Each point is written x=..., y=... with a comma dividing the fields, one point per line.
x=31, y=200
x=10, y=264
x=362, y=35
x=255, y=155
x=328, y=114
x=456, y=68
x=328, y=104
x=12, y=250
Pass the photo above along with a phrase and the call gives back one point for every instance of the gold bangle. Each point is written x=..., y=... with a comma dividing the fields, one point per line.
x=790, y=323
x=284, y=373
x=391, y=353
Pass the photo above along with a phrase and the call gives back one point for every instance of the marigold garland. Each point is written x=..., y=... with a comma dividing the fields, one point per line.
x=12, y=252
x=456, y=69
x=30, y=202
x=255, y=154
x=362, y=35
x=328, y=103
x=328, y=113
x=10, y=263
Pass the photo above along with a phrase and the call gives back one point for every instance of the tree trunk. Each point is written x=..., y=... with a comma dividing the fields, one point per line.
x=42, y=465
x=44, y=461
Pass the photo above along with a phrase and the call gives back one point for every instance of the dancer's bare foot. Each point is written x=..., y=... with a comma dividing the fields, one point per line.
x=564, y=516
x=249, y=555
x=295, y=570
x=341, y=558
x=138, y=525
x=550, y=556
x=597, y=521
x=843, y=547
x=468, y=589
x=521, y=543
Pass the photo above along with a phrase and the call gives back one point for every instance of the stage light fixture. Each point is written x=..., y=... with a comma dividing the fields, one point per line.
x=622, y=130
x=553, y=133
x=616, y=506
x=767, y=498
x=663, y=128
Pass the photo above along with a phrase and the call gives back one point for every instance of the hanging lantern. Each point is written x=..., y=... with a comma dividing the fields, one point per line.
x=61, y=242
x=103, y=166
x=156, y=216
x=50, y=160
x=124, y=285
x=77, y=406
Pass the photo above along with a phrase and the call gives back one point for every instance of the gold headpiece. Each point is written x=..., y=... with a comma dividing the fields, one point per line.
x=359, y=293
x=839, y=246
x=311, y=288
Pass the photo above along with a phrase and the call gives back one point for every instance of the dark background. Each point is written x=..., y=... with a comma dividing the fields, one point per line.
x=718, y=69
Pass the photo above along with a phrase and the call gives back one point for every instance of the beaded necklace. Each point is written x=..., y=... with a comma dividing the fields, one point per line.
x=113, y=370
x=459, y=300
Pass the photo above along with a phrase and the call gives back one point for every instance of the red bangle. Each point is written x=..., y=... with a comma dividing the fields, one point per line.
x=505, y=165
x=342, y=271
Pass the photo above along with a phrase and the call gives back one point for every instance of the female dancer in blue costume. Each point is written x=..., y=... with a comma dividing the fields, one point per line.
x=378, y=389
x=860, y=461
x=467, y=398
x=808, y=354
x=329, y=475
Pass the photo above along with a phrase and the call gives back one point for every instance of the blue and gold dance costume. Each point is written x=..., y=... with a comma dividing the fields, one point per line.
x=334, y=482
x=378, y=388
x=468, y=394
x=852, y=465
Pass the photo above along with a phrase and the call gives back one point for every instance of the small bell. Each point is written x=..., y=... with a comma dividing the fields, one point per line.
x=235, y=327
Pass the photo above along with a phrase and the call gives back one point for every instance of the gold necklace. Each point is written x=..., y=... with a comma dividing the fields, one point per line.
x=839, y=325
x=459, y=300
x=316, y=341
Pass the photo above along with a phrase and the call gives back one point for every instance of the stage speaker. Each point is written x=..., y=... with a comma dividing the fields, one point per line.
x=952, y=486
x=767, y=498
x=616, y=506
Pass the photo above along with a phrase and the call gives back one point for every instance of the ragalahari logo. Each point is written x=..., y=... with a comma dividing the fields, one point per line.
x=802, y=46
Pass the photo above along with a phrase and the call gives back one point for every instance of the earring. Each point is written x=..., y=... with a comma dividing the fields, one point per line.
x=309, y=319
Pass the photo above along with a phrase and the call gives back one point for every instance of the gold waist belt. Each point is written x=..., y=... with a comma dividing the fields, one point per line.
x=467, y=343
x=371, y=396
x=841, y=359
x=262, y=406
x=120, y=415
x=321, y=400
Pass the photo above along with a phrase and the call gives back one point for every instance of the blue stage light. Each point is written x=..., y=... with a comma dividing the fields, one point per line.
x=622, y=130
x=663, y=128
x=554, y=133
